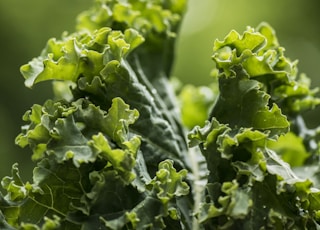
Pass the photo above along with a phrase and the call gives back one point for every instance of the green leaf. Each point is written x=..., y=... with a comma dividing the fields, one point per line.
x=16, y=190
x=66, y=196
x=95, y=134
x=69, y=129
x=158, y=22
x=195, y=104
x=258, y=55
x=291, y=149
x=155, y=120
x=168, y=183
x=57, y=66
x=82, y=53
x=249, y=183
x=119, y=118
x=252, y=105
x=122, y=161
x=250, y=40
x=159, y=208
x=4, y=224
x=102, y=73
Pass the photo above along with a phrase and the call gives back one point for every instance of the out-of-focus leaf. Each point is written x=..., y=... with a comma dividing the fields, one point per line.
x=195, y=104
x=290, y=148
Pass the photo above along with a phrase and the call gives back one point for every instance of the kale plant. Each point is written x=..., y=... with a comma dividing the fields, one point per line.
x=120, y=148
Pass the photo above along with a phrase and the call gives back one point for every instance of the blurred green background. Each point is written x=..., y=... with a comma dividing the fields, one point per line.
x=26, y=26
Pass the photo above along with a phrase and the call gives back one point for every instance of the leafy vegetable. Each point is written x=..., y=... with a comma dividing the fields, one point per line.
x=249, y=185
x=112, y=150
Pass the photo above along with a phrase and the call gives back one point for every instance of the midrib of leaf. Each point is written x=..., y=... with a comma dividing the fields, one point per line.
x=169, y=154
x=198, y=183
x=165, y=112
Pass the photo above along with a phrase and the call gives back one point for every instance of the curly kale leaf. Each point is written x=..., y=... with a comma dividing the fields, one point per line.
x=249, y=186
x=165, y=187
x=157, y=21
x=104, y=64
x=95, y=156
x=88, y=165
x=78, y=131
x=257, y=55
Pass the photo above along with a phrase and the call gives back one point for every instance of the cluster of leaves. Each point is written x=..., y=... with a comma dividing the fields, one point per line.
x=99, y=166
x=261, y=98
x=111, y=149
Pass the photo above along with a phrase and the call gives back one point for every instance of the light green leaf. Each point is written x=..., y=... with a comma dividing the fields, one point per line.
x=291, y=149
x=16, y=189
x=54, y=66
x=79, y=54
x=195, y=104
x=250, y=40
x=118, y=119
x=121, y=160
x=168, y=183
